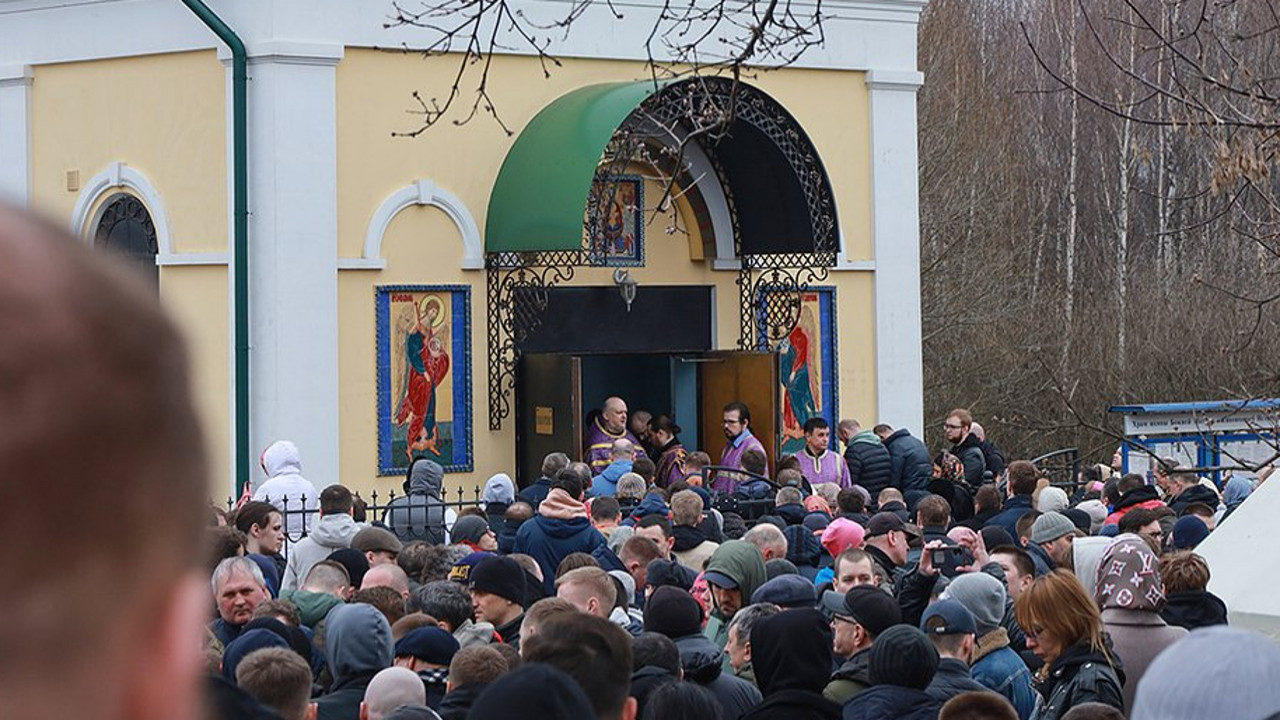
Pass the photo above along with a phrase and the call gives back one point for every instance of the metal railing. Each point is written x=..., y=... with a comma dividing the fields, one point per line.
x=1062, y=467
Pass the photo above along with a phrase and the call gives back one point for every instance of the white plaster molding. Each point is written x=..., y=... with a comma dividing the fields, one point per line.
x=119, y=175
x=902, y=80
x=860, y=34
x=288, y=52
x=855, y=266
x=421, y=192
x=15, y=133
x=207, y=258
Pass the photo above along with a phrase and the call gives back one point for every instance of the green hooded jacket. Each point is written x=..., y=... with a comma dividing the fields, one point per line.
x=312, y=606
x=742, y=562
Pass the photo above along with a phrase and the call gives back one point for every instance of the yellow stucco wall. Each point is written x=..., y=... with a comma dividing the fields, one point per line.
x=164, y=116
x=422, y=245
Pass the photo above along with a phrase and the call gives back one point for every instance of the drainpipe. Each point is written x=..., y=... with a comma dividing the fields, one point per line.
x=240, y=190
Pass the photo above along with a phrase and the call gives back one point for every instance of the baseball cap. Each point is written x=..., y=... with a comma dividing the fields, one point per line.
x=948, y=617
x=719, y=579
x=883, y=523
x=870, y=607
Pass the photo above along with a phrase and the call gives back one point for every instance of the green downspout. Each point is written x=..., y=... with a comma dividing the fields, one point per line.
x=240, y=184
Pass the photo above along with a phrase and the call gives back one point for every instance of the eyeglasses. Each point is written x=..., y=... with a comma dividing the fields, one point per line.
x=844, y=618
x=949, y=426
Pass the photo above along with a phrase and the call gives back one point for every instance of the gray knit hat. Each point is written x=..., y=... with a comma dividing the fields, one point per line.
x=981, y=595
x=1216, y=671
x=1051, y=526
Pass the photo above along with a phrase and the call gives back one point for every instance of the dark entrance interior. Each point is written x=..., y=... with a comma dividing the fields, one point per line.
x=658, y=357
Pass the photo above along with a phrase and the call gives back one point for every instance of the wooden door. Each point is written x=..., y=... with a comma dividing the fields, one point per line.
x=548, y=402
x=746, y=377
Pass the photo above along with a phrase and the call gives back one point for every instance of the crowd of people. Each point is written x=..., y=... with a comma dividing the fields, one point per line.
x=963, y=587
x=956, y=591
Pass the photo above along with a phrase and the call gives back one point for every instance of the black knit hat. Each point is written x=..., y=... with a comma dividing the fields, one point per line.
x=672, y=612
x=903, y=656
x=499, y=576
x=353, y=560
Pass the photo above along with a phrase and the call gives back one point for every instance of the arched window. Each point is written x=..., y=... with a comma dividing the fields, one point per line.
x=126, y=228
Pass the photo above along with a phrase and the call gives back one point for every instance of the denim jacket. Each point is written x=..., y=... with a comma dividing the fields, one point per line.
x=998, y=667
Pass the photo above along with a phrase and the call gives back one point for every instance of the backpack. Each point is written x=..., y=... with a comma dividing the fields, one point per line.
x=994, y=457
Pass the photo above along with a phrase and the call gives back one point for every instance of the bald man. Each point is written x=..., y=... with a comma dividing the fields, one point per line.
x=607, y=429
x=384, y=575
x=390, y=689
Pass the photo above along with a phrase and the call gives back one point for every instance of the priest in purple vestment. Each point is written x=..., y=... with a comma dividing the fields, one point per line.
x=737, y=430
x=817, y=463
x=604, y=431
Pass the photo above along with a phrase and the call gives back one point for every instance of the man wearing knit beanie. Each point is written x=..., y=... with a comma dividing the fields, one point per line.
x=1215, y=672
x=791, y=652
x=1054, y=533
x=993, y=664
x=903, y=663
x=497, y=588
x=673, y=612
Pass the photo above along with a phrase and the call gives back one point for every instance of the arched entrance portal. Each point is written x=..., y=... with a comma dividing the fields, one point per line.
x=746, y=171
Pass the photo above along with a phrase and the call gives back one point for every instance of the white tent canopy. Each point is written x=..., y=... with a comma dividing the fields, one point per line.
x=1244, y=558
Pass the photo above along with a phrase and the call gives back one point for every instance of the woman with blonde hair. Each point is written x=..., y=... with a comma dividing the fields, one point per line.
x=1064, y=629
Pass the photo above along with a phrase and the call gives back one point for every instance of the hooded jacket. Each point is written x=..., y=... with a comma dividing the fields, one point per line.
x=910, y=467
x=892, y=701
x=741, y=561
x=692, y=547
x=1142, y=497
x=330, y=532
x=870, y=463
x=293, y=495
x=471, y=633
x=851, y=678
x=649, y=505
x=1131, y=593
x=791, y=652
x=560, y=528
x=312, y=606
x=358, y=646
x=702, y=664
x=420, y=514
x=1194, y=494
x=1193, y=609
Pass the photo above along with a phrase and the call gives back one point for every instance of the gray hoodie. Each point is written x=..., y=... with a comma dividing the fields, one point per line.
x=358, y=646
x=420, y=514
x=331, y=532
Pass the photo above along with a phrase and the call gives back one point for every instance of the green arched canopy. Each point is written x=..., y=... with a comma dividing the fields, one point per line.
x=538, y=200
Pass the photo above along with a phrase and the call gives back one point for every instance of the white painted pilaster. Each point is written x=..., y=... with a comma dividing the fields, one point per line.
x=293, y=252
x=15, y=134
x=895, y=208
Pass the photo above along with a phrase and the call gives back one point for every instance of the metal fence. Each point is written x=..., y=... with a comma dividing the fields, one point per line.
x=1062, y=467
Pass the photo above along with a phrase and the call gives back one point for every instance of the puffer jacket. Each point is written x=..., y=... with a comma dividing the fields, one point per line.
x=910, y=467
x=703, y=662
x=870, y=464
x=420, y=514
x=1080, y=675
x=969, y=450
x=560, y=528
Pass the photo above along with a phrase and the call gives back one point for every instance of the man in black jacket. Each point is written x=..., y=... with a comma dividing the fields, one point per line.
x=552, y=464
x=792, y=656
x=869, y=463
x=910, y=467
x=1185, y=489
x=965, y=445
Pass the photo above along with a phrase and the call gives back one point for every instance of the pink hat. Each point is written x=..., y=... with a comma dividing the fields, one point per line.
x=841, y=535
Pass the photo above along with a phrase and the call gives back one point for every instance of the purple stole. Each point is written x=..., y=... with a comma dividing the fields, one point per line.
x=829, y=468
x=600, y=446
x=732, y=457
